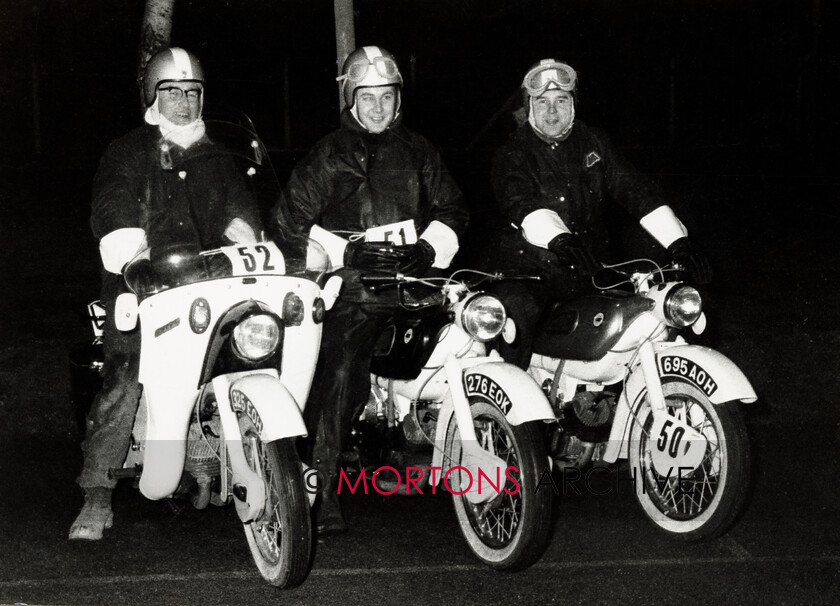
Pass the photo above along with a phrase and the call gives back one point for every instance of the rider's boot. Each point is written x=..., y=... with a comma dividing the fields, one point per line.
x=95, y=516
x=328, y=516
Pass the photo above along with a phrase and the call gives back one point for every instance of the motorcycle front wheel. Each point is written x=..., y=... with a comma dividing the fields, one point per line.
x=705, y=502
x=512, y=530
x=281, y=539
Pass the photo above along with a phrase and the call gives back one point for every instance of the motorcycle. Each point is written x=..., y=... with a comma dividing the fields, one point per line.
x=229, y=343
x=626, y=384
x=451, y=413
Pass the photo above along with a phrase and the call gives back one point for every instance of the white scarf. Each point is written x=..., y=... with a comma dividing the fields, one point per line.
x=184, y=136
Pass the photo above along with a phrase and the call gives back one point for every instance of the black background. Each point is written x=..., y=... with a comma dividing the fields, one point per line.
x=755, y=79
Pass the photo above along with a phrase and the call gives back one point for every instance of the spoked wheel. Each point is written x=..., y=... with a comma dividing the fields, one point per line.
x=511, y=530
x=704, y=502
x=281, y=539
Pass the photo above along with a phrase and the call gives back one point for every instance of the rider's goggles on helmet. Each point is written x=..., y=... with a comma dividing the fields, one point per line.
x=384, y=66
x=548, y=73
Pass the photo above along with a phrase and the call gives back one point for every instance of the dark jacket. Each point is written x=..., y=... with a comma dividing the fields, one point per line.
x=574, y=178
x=193, y=203
x=131, y=188
x=352, y=180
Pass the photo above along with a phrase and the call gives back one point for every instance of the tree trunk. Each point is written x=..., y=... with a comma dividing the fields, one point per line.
x=345, y=37
x=155, y=34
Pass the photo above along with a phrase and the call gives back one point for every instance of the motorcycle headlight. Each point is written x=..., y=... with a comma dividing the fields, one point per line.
x=257, y=337
x=483, y=317
x=683, y=306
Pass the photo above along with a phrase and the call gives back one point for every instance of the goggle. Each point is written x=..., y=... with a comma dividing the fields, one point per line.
x=384, y=66
x=549, y=72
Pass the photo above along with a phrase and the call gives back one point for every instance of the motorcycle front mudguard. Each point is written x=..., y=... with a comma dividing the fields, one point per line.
x=273, y=409
x=274, y=413
x=507, y=386
x=708, y=370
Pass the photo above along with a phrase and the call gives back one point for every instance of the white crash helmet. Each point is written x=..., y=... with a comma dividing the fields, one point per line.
x=170, y=65
x=368, y=66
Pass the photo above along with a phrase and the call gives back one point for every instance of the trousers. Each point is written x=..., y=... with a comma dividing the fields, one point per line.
x=341, y=384
x=111, y=416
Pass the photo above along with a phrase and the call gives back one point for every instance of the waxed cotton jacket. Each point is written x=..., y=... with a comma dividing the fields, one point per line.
x=352, y=180
x=194, y=203
x=575, y=178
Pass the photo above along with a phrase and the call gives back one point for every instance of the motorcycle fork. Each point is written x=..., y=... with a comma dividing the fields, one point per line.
x=248, y=487
x=656, y=397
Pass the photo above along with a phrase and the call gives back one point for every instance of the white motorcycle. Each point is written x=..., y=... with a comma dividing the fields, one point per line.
x=625, y=384
x=229, y=343
x=457, y=416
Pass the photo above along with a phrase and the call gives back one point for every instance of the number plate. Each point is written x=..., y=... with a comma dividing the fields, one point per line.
x=254, y=259
x=684, y=368
x=676, y=448
x=480, y=385
x=395, y=233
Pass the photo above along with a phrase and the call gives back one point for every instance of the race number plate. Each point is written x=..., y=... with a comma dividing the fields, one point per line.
x=255, y=259
x=676, y=448
x=395, y=233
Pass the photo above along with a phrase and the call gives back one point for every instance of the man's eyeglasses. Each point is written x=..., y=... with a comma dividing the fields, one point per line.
x=175, y=94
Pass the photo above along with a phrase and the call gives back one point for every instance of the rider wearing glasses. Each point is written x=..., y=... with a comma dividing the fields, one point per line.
x=370, y=173
x=552, y=180
x=206, y=205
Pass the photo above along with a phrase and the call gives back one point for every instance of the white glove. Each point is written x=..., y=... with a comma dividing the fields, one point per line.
x=120, y=246
x=239, y=232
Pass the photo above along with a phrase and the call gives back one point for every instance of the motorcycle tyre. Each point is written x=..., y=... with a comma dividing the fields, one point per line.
x=533, y=534
x=731, y=493
x=290, y=566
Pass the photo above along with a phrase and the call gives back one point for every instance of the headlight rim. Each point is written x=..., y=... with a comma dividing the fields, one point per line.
x=470, y=308
x=673, y=314
x=235, y=341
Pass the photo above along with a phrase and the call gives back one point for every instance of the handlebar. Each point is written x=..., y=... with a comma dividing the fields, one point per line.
x=377, y=282
x=380, y=281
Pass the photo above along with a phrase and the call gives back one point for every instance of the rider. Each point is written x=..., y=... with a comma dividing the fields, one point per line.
x=551, y=179
x=372, y=171
x=138, y=202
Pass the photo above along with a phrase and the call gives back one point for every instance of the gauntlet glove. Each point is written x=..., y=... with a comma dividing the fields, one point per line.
x=684, y=253
x=418, y=258
x=569, y=249
x=382, y=257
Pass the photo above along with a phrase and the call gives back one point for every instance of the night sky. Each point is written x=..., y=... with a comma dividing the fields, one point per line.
x=749, y=78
